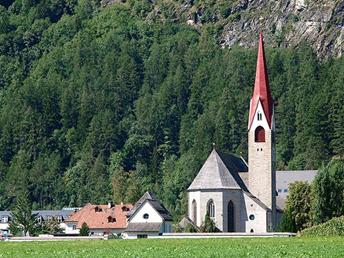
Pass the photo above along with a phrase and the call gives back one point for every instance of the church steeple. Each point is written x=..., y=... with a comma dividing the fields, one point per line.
x=261, y=144
x=261, y=92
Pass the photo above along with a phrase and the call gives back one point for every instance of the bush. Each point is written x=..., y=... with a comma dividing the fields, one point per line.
x=208, y=225
x=114, y=236
x=333, y=227
x=85, y=230
x=286, y=224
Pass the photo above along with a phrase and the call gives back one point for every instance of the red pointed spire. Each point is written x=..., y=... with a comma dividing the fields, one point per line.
x=261, y=87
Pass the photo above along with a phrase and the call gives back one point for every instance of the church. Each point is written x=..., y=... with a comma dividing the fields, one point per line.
x=240, y=196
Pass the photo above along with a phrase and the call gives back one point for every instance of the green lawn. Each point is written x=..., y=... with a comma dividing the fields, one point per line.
x=224, y=247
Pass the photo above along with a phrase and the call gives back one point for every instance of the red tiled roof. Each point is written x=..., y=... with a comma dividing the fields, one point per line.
x=97, y=216
x=261, y=87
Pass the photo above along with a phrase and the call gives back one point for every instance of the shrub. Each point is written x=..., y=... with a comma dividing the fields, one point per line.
x=85, y=230
x=333, y=227
x=208, y=225
x=114, y=236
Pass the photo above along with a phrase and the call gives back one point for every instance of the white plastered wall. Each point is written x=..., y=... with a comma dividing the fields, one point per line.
x=154, y=216
x=69, y=228
x=244, y=206
x=104, y=231
x=263, y=122
x=202, y=198
x=259, y=223
x=195, y=195
x=240, y=213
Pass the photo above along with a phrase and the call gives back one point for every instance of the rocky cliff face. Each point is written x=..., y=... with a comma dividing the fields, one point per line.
x=287, y=23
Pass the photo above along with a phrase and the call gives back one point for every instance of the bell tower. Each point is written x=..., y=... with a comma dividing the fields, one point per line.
x=261, y=143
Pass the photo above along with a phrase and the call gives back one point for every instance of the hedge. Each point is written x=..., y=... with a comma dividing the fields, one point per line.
x=333, y=227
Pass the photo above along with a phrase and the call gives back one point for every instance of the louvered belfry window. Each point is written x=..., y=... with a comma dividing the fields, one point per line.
x=259, y=134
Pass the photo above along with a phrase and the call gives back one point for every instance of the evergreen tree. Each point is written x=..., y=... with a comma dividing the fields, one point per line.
x=208, y=225
x=329, y=189
x=85, y=230
x=298, y=211
x=22, y=219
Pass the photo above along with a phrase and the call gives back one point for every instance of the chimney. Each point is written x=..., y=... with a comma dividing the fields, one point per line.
x=110, y=204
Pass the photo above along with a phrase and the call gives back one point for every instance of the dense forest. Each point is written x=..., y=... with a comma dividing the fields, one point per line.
x=102, y=103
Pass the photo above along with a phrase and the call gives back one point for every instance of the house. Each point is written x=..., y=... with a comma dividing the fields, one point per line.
x=5, y=217
x=285, y=178
x=240, y=196
x=101, y=219
x=42, y=215
x=148, y=218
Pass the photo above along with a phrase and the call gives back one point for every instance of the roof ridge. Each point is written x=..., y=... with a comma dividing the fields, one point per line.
x=215, y=174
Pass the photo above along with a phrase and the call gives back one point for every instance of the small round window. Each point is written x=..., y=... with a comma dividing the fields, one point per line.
x=146, y=216
x=251, y=217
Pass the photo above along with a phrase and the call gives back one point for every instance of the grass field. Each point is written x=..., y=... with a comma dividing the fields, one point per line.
x=224, y=247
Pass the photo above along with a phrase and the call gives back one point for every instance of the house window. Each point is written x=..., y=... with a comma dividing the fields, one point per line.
x=146, y=216
x=285, y=190
x=59, y=218
x=4, y=219
x=211, y=209
x=74, y=227
x=259, y=116
x=251, y=217
x=259, y=134
x=280, y=190
x=98, y=209
x=49, y=218
x=142, y=236
x=39, y=219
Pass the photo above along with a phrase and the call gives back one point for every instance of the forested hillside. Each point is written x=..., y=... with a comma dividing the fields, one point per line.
x=100, y=103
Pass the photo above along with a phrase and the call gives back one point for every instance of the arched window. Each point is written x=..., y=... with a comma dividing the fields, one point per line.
x=231, y=218
x=259, y=134
x=194, y=212
x=211, y=209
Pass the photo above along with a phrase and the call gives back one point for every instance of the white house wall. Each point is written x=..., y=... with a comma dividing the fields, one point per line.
x=101, y=231
x=69, y=228
x=154, y=216
x=133, y=235
x=4, y=227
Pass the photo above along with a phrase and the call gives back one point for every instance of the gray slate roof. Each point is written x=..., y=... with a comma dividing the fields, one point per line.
x=220, y=171
x=261, y=204
x=143, y=227
x=4, y=214
x=53, y=213
x=284, y=178
x=157, y=205
x=44, y=213
x=185, y=222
